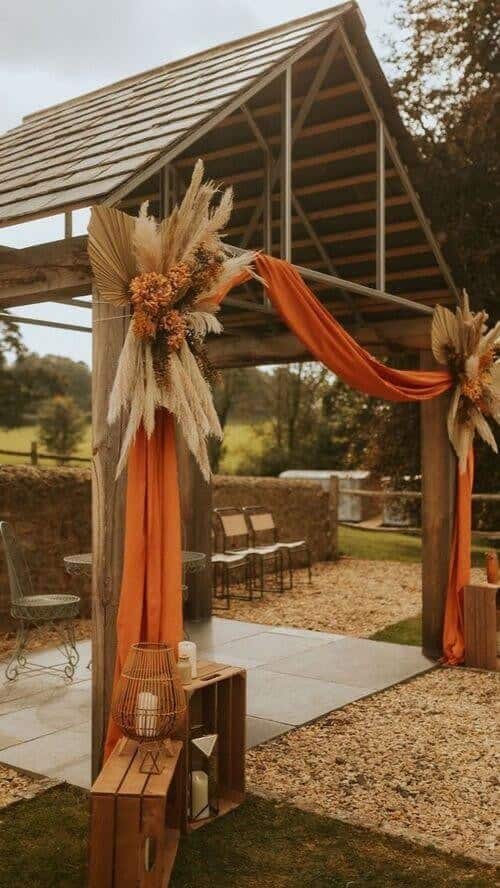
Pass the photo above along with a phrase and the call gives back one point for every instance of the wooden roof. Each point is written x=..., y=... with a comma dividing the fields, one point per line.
x=81, y=151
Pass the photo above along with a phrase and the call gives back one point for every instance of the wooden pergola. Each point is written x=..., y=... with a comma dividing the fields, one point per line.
x=301, y=120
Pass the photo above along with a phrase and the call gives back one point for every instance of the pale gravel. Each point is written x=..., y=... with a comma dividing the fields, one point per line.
x=419, y=760
x=349, y=596
x=17, y=785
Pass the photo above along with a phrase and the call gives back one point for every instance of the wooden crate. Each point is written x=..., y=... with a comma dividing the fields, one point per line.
x=218, y=697
x=480, y=606
x=135, y=821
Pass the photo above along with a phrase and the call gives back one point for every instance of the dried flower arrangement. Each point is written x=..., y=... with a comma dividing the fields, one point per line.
x=463, y=342
x=168, y=273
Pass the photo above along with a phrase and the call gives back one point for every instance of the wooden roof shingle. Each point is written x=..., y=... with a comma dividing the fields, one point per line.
x=83, y=150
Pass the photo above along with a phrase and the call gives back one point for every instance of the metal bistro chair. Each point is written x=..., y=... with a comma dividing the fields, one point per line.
x=261, y=521
x=233, y=527
x=223, y=566
x=30, y=610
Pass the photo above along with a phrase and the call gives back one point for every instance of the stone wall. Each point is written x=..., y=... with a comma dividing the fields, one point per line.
x=50, y=511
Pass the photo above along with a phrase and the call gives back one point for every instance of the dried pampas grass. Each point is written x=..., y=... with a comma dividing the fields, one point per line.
x=462, y=341
x=180, y=262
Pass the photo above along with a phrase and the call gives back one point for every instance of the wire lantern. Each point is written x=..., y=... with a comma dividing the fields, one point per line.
x=149, y=702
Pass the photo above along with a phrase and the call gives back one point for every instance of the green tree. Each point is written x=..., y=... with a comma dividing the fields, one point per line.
x=49, y=375
x=11, y=397
x=62, y=424
x=445, y=60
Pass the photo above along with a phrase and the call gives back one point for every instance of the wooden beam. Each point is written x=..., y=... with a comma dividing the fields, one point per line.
x=252, y=349
x=318, y=187
x=438, y=499
x=364, y=206
x=308, y=132
x=60, y=266
x=108, y=517
x=273, y=109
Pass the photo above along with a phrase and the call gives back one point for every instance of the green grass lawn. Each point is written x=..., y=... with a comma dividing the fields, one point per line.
x=407, y=631
x=378, y=545
x=43, y=844
x=21, y=438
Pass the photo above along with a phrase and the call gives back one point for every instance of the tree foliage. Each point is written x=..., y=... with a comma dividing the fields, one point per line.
x=62, y=424
x=445, y=60
x=10, y=396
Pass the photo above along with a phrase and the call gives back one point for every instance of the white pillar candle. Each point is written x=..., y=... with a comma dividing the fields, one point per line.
x=188, y=649
x=199, y=795
x=146, y=714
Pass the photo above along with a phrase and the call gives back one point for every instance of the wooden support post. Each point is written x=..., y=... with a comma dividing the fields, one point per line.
x=196, y=516
x=438, y=501
x=108, y=517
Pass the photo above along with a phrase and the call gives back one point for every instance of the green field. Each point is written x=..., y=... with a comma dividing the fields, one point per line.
x=21, y=438
x=378, y=545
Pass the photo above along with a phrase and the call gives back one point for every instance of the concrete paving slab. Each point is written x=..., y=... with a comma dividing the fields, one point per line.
x=56, y=755
x=260, y=730
x=217, y=631
x=294, y=700
x=264, y=647
x=46, y=716
x=357, y=662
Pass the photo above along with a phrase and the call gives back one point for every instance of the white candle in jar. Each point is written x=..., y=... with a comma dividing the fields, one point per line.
x=188, y=649
x=184, y=669
x=146, y=714
x=199, y=795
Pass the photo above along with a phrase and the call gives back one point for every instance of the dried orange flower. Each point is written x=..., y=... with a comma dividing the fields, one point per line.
x=486, y=360
x=179, y=277
x=144, y=325
x=175, y=329
x=150, y=291
x=472, y=389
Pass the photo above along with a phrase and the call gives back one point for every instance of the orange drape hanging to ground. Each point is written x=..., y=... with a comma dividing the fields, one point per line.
x=151, y=597
x=151, y=594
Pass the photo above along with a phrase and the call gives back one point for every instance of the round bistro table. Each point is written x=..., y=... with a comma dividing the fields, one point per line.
x=81, y=565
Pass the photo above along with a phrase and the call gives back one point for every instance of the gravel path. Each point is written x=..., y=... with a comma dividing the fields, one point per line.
x=417, y=760
x=16, y=785
x=348, y=596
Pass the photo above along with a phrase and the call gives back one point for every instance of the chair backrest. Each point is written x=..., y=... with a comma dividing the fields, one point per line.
x=232, y=525
x=19, y=574
x=260, y=520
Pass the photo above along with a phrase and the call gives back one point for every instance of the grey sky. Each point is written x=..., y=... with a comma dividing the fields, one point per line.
x=52, y=50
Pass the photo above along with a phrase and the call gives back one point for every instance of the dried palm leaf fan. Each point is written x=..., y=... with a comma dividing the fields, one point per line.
x=149, y=702
x=472, y=352
x=169, y=274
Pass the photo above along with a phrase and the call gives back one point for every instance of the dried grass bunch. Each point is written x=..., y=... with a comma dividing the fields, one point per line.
x=472, y=352
x=169, y=274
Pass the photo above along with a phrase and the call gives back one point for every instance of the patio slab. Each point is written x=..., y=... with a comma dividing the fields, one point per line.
x=295, y=700
x=294, y=676
x=357, y=662
x=259, y=730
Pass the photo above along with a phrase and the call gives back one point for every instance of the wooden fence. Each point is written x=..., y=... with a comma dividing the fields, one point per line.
x=34, y=455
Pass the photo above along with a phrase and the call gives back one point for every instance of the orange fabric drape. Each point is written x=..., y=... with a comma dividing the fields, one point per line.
x=329, y=343
x=460, y=563
x=151, y=596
